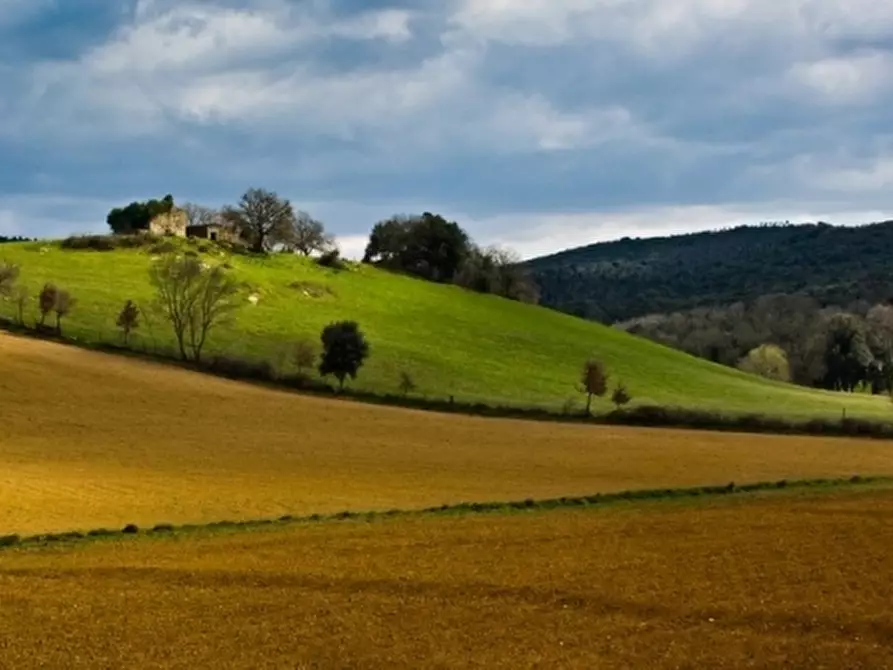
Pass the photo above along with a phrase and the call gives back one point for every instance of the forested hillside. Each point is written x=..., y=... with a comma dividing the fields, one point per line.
x=617, y=281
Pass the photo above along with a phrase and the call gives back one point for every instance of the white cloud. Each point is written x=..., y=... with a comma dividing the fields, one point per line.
x=853, y=79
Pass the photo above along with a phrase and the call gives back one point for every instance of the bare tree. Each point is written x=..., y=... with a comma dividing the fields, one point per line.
x=63, y=306
x=9, y=274
x=198, y=215
x=304, y=355
x=307, y=235
x=262, y=218
x=128, y=320
x=194, y=298
x=407, y=383
x=46, y=301
x=594, y=381
x=21, y=296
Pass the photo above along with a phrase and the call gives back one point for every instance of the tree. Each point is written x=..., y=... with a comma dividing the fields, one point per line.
x=767, y=360
x=128, y=320
x=304, y=355
x=194, y=299
x=344, y=351
x=594, y=381
x=427, y=246
x=407, y=383
x=198, y=215
x=46, y=301
x=9, y=275
x=63, y=306
x=620, y=396
x=21, y=296
x=497, y=271
x=306, y=235
x=262, y=219
x=847, y=356
x=137, y=215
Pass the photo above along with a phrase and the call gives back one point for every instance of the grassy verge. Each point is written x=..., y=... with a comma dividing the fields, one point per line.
x=595, y=500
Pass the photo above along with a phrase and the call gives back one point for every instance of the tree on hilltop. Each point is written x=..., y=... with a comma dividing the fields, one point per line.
x=262, y=219
x=305, y=235
x=137, y=215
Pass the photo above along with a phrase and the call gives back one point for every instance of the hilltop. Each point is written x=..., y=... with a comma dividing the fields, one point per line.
x=616, y=281
x=473, y=346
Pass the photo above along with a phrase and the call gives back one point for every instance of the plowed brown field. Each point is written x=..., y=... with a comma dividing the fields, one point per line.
x=90, y=440
x=772, y=581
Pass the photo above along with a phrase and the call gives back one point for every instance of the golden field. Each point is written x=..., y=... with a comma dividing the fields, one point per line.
x=777, y=580
x=91, y=440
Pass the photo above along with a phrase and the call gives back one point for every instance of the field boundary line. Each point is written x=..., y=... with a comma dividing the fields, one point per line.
x=473, y=508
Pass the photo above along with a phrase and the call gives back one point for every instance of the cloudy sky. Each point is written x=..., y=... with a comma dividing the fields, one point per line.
x=538, y=124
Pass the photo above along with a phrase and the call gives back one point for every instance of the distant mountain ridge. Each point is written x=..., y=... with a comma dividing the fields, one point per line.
x=614, y=281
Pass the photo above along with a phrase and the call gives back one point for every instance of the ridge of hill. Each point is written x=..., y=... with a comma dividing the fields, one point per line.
x=476, y=347
x=615, y=281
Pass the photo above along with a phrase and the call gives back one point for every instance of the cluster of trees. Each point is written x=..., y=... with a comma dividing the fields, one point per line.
x=594, y=383
x=617, y=281
x=195, y=298
x=14, y=238
x=431, y=247
x=136, y=216
x=787, y=337
x=51, y=301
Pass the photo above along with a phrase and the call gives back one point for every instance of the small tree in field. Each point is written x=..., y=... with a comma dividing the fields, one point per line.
x=64, y=304
x=344, y=351
x=620, y=396
x=46, y=301
x=304, y=355
x=9, y=274
x=594, y=381
x=407, y=383
x=194, y=299
x=128, y=320
x=21, y=296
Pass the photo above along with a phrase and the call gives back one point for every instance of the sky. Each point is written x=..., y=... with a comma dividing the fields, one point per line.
x=536, y=124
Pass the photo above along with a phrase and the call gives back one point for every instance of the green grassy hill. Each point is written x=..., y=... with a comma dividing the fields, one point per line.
x=453, y=342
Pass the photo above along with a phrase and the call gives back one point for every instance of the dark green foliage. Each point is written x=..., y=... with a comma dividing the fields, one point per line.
x=131, y=529
x=344, y=351
x=137, y=215
x=331, y=259
x=100, y=532
x=620, y=396
x=15, y=238
x=593, y=381
x=616, y=281
x=241, y=368
x=128, y=320
x=426, y=246
x=9, y=540
x=162, y=528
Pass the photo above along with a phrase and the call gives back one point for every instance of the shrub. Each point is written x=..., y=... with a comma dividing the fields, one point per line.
x=90, y=242
x=131, y=529
x=162, y=528
x=331, y=259
x=407, y=384
x=620, y=396
x=9, y=540
x=240, y=368
x=100, y=532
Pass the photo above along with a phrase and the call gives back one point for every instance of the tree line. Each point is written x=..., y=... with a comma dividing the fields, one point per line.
x=426, y=246
x=787, y=337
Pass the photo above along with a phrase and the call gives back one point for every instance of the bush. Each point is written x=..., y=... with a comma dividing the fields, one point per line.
x=162, y=528
x=331, y=259
x=91, y=242
x=131, y=529
x=9, y=540
x=240, y=368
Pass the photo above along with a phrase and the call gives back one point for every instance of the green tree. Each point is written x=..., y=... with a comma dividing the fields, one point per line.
x=137, y=215
x=594, y=381
x=847, y=356
x=344, y=351
x=426, y=246
x=767, y=360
